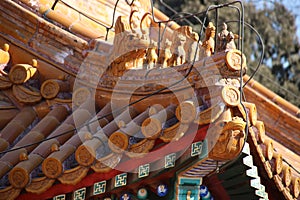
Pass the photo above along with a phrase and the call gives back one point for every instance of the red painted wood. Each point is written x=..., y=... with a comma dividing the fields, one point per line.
x=92, y=178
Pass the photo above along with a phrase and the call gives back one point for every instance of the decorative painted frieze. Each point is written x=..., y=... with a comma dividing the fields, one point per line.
x=79, y=194
x=121, y=180
x=196, y=148
x=144, y=170
x=99, y=188
x=170, y=160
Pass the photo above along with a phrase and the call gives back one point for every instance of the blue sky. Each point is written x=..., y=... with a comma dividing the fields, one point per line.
x=292, y=5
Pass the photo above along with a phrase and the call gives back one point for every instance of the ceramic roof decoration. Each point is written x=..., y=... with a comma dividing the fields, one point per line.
x=142, y=193
x=114, y=100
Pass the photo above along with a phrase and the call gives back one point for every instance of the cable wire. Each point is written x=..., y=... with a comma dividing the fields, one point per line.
x=122, y=108
x=117, y=110
x=155, y=92
x=241, y=20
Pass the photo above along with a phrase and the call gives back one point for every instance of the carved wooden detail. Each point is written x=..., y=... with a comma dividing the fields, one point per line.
x=286, y=175
x=186, y=112
x=209, y=43
x=251, y=110
x=258, y=149
x=165, y=54
x=287, y=194
x=9, y=193
x=140, y=149
x=54, y=147
x=26, y=95
x=267, y=149
x=152, y=126
x=235, y=60
x=85, y=156
x=133, y=47
x=80, y=95
x=23, y=156
x=118, y=142
x=279, y=184
x=131, y=40
x=174, y=132
x=276, y=163
x=52, y=167
x=178, y=55
x=18, y=177
x=259, y=128
x=225, y=39
x=51, y=87
x=4, y=58
x=20, y=73
x=209, y=115
x=73, y=176
x=268, y=169
x=231, y=140
x=295, y=187
x=39, y=185
x=105, y=164
x=190, y=44
x=151, y=56
x=5, y=83
x=222, y=38
x=231, y=95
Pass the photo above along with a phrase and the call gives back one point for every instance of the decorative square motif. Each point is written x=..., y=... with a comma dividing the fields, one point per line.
x=170, y=160
x=99, y=187
x=121, y=180
x=144, y=170
x=80, y=194
x=196, y=149
x=60, y=197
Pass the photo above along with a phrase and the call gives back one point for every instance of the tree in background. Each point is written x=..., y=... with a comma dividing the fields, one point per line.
x=280, y=70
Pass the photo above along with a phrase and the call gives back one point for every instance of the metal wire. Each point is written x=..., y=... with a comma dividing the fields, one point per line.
x=241, y=33
x=108, y=28
x=119, y=109
x=130, y=4
x=113, y=112
x=241, y=22
x=155, y=92
x=54, y=4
